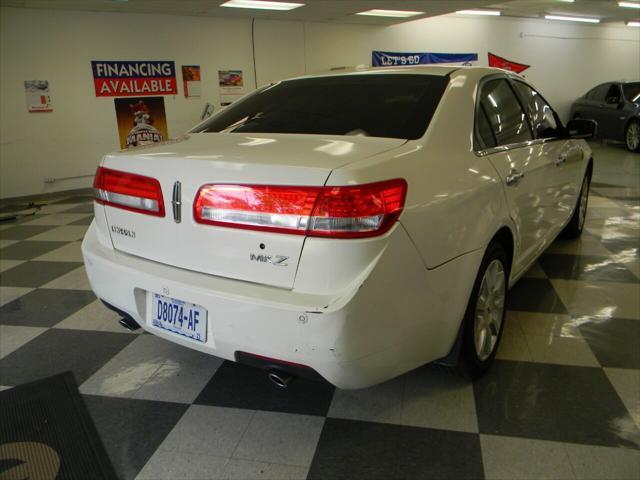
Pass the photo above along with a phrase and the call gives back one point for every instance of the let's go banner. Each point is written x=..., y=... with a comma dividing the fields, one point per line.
x=132, y=78
x=393, y=59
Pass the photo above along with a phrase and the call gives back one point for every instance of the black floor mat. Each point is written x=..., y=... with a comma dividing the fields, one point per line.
x=46, y=432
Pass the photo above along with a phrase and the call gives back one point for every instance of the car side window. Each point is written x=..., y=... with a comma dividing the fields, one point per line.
x=613, y=94
x=599, y=93
x=541, y=115
x=502, y=111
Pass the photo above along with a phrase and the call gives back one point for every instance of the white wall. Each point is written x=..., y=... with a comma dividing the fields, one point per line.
x=59, y=45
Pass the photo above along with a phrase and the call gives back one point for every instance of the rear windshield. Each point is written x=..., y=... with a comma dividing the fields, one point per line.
x=376, y=105
x=631, y=91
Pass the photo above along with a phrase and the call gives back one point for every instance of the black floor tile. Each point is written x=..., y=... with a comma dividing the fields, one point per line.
x=553, y=402
x=352, y=450
x=131, y=430
x=240, y=386
x=57, y=350
x=614, y=341
x=44, y=307
x=83, y=221
x=20, y=219
x=626, y=245
x=22, y=232
x=35, y=274
x=586, y=268
x=82, y=208
x=535, y=295
x=27, y=249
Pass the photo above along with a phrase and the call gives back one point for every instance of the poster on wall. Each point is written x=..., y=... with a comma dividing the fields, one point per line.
x=37, y=96
x=403, y=59
x=141, y=121
x=231, y=85
x=191, y=81
x=499, y=62
x=132, y=79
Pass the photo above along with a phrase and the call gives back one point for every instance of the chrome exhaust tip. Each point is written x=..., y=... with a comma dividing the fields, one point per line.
x=280, y=379
x=129, y=324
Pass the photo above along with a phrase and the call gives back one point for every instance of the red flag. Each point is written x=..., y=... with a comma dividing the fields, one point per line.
x=499, y=62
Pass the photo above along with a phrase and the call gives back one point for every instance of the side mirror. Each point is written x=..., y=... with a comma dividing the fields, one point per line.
x=580, y=128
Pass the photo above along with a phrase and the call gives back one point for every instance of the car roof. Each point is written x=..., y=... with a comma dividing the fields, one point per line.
x=438, y=70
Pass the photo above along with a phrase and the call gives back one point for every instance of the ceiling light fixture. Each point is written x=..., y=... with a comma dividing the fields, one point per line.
x=493, y=13
x=262, y=5
x=567, y=1
x=572, y=19
x=629, y=4
x=390, y=13
x=633, y=24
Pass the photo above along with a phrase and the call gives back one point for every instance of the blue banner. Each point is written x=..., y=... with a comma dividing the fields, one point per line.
x=393, y=59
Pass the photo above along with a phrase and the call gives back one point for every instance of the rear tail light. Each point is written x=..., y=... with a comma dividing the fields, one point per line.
x=339, y=212
x=129, y=191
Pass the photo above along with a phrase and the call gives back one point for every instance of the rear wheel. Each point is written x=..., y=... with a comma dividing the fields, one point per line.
x=632, y=136
x=576, y=224
x=484, y=318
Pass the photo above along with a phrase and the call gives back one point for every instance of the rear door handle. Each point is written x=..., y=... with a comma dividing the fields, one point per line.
x=514, y=177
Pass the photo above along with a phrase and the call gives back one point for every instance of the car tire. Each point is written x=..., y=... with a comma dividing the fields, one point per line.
x=574, y=228
x=632, y=136
x=484, y=318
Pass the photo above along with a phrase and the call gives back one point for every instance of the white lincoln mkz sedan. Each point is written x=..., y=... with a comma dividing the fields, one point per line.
x=351, y=226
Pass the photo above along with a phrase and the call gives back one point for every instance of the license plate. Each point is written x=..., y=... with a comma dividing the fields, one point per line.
x=177, y=316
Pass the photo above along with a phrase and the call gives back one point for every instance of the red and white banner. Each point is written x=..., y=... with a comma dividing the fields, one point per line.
x=131, y=79
x=499, y=62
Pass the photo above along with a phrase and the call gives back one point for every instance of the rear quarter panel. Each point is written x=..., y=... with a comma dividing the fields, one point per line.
x=455, y=202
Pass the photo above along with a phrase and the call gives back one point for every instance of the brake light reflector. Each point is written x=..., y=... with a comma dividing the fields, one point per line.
x=338, y=212
x=128, y=191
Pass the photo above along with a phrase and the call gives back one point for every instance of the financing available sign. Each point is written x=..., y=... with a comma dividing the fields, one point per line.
x=134, y=78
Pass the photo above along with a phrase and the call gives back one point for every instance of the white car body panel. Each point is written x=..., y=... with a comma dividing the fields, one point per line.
x=357, y=311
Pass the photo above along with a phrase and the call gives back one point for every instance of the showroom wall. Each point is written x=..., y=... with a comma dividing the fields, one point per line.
x=58, y=46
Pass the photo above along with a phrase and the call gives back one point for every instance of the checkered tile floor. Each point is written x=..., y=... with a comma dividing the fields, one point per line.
x=562, y=400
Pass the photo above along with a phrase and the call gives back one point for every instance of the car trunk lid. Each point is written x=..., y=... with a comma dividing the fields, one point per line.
x=182, y=166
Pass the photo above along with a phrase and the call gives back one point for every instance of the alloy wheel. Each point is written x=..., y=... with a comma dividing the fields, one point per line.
x=489, y=309
x=633, y=136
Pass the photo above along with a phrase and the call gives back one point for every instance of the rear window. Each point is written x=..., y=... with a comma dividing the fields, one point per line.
x=376, y=105
x=631, y=91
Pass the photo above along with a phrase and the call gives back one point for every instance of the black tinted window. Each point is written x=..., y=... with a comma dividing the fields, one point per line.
x=508, y=121
x=613, y=94
x=599, y=93
x=377, y=105
x=631, y=91
x=483, y=129
x=541, y=116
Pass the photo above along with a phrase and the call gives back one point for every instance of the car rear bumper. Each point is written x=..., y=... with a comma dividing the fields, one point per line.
x=364, y=335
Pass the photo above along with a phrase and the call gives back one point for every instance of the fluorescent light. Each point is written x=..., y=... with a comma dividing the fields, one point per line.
x=494, y=13
x=390, y=13
x=261, y=5
x=629, y=4
x=572, y=19
x=567, y=1
x=633, y=24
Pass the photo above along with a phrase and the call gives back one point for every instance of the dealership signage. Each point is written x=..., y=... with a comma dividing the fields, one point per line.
x=131, y=78
x=392, y=59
